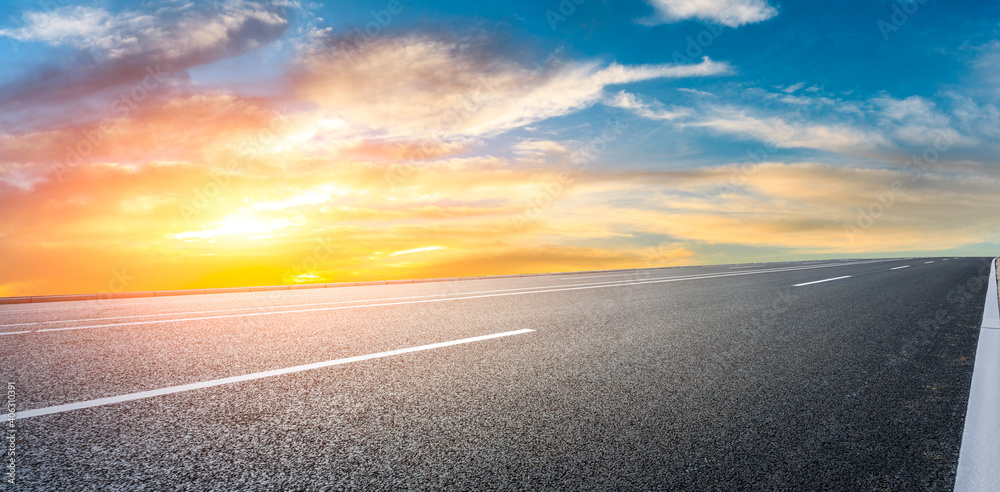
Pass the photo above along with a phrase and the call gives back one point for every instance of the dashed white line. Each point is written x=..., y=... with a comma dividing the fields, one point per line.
x=249, y=377
x=821, y=281
x=928, y=262
x=897, y=268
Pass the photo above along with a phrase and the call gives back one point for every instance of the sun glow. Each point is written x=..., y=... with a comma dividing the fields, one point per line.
x=238, y=225
x=315, y=196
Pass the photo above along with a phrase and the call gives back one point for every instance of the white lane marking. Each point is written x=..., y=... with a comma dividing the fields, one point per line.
x=19, y=324
x=897, y=268
x=189, y=300
x=750, y=266
x=279, y=306
x=291, y=311
x=813, y=282
x=440, y=295
x=328, y=303
x=928, y=262
x=980, y=451
x=250, y=377
x=14, y=332
x=574, y=277
x=125, y=303
x=439, y=298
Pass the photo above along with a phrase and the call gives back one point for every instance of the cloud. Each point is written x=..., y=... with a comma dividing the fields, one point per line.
x=649, y=110
x=417, y=250
x=732, y=13
x=981, y=119
x=984, y=73
x=793, y=88
x=262, y=224
x=183, y=128
x=83, y=27
x=882, y=126
x=915, y=121
x=421, y=84
x=539, y=148
x=109, y=49
x=787, y=134
x=804, y=207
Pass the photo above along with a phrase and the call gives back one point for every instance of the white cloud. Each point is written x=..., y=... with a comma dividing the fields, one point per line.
x=696, y=92
x=758, y=124
x=883, y=123
x=80, y=26
x=915, y=121
x=170, y=32
x=794, y=87
x=116, y=48
x=783, y=134
x=538, y=148
x=652, y=111
x=419, y=84
x=732, y=13
x=982, y=119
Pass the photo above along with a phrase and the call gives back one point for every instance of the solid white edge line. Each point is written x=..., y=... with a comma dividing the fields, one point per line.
x=897, y=268
x=249, y=377
x=821, y=281
x=15, y=332
x=991, y=313
x=979, y=455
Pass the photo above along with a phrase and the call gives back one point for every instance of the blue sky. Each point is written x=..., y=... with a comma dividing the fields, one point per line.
x=490, y=137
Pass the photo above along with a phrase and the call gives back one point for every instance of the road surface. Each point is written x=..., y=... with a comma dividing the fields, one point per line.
x=844, y=374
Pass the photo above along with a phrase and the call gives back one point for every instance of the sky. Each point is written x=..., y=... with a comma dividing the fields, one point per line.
x=169, y=144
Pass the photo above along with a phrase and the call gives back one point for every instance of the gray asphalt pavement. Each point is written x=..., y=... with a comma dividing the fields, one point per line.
x=748, y=377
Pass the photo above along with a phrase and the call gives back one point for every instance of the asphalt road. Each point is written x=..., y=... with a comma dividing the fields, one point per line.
x=728, y=377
